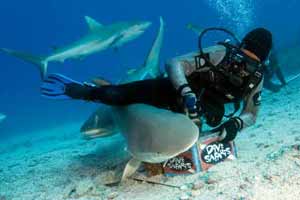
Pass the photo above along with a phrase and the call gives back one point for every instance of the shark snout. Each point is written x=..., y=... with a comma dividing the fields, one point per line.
x=138, y=28
x=145, y=25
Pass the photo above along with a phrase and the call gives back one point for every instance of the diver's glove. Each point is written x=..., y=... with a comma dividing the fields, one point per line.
x=190, y=104
x=228, y=130
x=57, y=86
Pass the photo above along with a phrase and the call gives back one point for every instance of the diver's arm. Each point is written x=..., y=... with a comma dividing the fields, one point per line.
x=230, y=129
x=178, y=68
x=251, y=107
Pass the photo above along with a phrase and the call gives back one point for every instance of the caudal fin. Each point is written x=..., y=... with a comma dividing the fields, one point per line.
x=36, y=60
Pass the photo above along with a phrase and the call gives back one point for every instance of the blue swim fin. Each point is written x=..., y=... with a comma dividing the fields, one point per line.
x=54, y=86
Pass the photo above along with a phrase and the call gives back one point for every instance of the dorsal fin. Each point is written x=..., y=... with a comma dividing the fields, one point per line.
x=152, y=61
x=101, y=82
x=93, y=24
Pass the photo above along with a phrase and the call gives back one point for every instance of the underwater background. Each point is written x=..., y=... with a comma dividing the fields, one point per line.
x=35, y=26
x=42, y=153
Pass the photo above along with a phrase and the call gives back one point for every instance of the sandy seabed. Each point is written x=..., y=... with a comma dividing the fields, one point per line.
x=57, y=164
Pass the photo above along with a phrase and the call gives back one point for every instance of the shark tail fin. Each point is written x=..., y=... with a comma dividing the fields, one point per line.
x=36, y=60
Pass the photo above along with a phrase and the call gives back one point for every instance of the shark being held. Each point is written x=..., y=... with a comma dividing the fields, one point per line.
x=99, y=38
x=153, y=135
x=101, y=122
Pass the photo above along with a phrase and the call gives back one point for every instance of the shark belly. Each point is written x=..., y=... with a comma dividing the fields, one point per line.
x=80, y=50
x=155, y=135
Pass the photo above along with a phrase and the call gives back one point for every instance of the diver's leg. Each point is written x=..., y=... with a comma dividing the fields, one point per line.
x=158, y=92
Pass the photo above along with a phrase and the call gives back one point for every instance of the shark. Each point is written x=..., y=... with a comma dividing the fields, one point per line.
x=152, y=135
x=2, y=117
x=98, y=38
x=101, y=122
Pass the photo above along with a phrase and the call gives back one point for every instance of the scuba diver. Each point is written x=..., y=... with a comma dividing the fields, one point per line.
x=198, y=84
x=270, y=70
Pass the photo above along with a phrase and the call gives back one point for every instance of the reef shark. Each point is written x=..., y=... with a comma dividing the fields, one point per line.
x=101, y=122
x=99, y=38
x=2, y=117
x=153, y=135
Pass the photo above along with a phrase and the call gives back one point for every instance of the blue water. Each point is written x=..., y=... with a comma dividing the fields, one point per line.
x=34, y=26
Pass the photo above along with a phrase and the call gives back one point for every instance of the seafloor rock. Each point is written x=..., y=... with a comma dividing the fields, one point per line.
x=83, y=188
x=185, y=197
x=198, y=185
x=184, y=187
x=196, y=193
x=112, y=195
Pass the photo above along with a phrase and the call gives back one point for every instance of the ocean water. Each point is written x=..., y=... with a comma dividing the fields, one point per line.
x=35, y=26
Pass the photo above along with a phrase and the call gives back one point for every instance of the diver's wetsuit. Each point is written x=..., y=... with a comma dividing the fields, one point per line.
x=163, y=92
x=157, y=92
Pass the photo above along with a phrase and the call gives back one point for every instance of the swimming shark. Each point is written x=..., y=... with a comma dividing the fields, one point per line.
x=98, y=38
x=101, y=122
x=2, y=117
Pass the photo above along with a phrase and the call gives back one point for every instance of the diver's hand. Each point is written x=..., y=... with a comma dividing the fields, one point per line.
x=190, y=103
x=190, y=100
x=189, y=97
x=228, y=130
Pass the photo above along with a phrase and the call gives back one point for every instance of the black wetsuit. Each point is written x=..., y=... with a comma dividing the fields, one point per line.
x=161, y=93
x=157, y=92
x=212, y=88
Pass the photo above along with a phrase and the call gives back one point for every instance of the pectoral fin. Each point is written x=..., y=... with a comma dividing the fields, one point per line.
x=131, y=167
x=93, y=24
